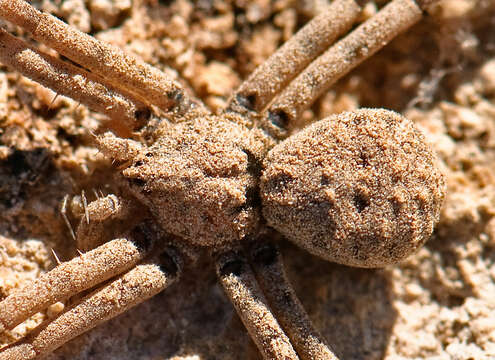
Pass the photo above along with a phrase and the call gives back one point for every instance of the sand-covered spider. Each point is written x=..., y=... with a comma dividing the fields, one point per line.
x=359, y=188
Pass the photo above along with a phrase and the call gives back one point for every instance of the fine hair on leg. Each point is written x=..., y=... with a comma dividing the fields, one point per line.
x=243, y=290
x=122, y=70
x=268, y=266
x=118, y=296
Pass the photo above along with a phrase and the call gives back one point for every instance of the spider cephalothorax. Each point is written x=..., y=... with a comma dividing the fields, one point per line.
x=207, y=168
x=360, y=188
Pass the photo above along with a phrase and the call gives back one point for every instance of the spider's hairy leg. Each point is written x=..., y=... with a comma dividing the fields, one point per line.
x=338, y=60
x=282, y=66
x=122, y=293
x=241, y=287
x=74, y=276
x=69, y=80
x=98, y=219
x=267, y=264
x=120, y=69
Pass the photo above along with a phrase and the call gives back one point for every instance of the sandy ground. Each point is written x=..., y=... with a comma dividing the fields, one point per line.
x=439, y=304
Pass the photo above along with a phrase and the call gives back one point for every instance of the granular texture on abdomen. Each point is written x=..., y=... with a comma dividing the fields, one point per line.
x=359, y=188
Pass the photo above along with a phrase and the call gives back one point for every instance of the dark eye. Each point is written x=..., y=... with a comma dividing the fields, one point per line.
x=137, y=182
x=143, y=189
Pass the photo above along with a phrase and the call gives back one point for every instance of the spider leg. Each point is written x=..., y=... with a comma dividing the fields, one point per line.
x=120, y=69
x=243, y=290
x=119, y=295
x=74, y=276
x=292, y=57
x=337, y=61
x=268, y=266
x=265, y=84
x=71, y=81
x=101, y=213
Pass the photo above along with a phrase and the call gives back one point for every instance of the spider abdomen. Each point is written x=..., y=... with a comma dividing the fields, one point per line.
x=359, y=188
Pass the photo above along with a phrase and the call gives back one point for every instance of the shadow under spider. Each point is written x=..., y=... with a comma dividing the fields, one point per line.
x=356, y=304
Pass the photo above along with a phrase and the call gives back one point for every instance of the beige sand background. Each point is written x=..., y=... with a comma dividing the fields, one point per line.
x=440, y=304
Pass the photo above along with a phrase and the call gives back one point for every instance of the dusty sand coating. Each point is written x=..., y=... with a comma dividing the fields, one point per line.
x=359, y=188
x=439, y=303
x=206, y=169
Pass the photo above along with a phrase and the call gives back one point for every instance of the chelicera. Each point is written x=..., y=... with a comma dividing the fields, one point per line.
x=359, y=188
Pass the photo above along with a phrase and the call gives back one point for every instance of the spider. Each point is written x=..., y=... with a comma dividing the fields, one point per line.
x=359, y=188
